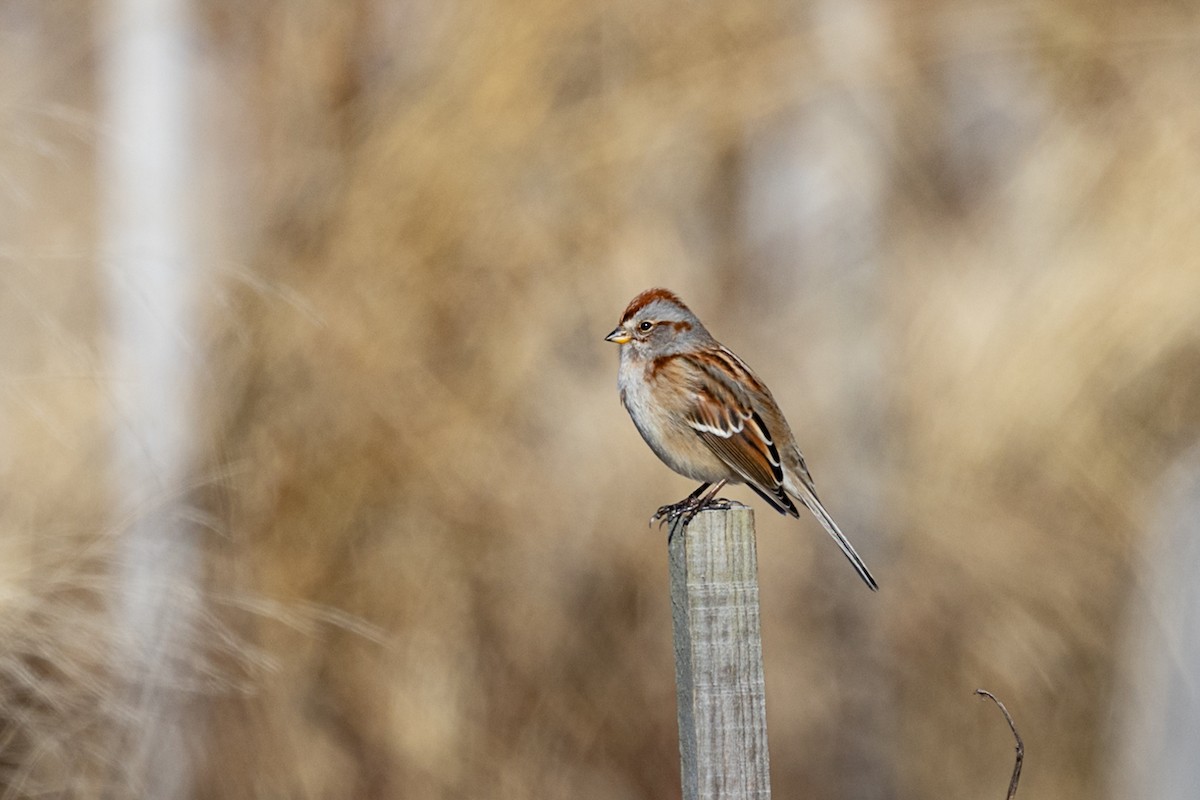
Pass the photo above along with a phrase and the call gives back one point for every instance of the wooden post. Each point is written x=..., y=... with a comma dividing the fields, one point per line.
x=718, y=657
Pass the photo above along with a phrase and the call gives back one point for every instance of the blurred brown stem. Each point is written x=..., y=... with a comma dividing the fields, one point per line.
x=1012, y=726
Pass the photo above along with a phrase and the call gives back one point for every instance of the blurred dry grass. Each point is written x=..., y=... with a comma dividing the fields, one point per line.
x=959, y=240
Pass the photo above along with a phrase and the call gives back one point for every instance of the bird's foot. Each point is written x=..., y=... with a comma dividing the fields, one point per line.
x=685, y=510
x=669, y=513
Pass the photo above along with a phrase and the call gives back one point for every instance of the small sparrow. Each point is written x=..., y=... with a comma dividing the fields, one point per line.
x=706, y=414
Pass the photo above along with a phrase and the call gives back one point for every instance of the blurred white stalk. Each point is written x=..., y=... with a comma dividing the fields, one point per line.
x=1159, y=703
x=816, y=203
x=144, y=159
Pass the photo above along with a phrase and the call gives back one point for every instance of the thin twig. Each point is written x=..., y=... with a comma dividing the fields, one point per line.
x=1012, y=726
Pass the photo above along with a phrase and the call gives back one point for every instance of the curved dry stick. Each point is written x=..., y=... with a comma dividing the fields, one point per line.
x=1012, y=726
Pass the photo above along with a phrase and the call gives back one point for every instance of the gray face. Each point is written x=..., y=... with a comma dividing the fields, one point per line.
x=662, y=328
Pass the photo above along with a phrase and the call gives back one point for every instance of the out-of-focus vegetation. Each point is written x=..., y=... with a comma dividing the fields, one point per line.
x=959, y=240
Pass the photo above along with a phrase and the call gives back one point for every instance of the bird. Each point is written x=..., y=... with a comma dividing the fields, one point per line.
x=709, y=417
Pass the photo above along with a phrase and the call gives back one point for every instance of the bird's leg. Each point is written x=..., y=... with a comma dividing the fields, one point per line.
x=693, y=504
x=668, y=513
x=711, y=500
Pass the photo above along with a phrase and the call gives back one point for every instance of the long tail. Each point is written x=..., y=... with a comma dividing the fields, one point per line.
x=809, y=498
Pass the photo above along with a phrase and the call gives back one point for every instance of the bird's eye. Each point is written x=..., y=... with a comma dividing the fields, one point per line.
x=645, y=326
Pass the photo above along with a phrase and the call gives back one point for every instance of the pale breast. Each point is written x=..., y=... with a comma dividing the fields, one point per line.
x=657, y=408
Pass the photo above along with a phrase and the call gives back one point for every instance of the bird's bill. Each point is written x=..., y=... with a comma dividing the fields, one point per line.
x=619, y=335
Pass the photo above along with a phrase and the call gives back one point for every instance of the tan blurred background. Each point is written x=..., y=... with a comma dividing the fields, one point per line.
x=315, y=481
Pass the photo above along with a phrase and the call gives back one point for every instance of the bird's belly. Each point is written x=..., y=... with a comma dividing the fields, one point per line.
x=670, y=437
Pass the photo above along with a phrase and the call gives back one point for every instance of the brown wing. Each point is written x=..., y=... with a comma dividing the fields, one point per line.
x=725, y=420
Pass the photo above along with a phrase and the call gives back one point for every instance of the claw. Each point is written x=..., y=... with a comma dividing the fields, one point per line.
x=687, y=509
